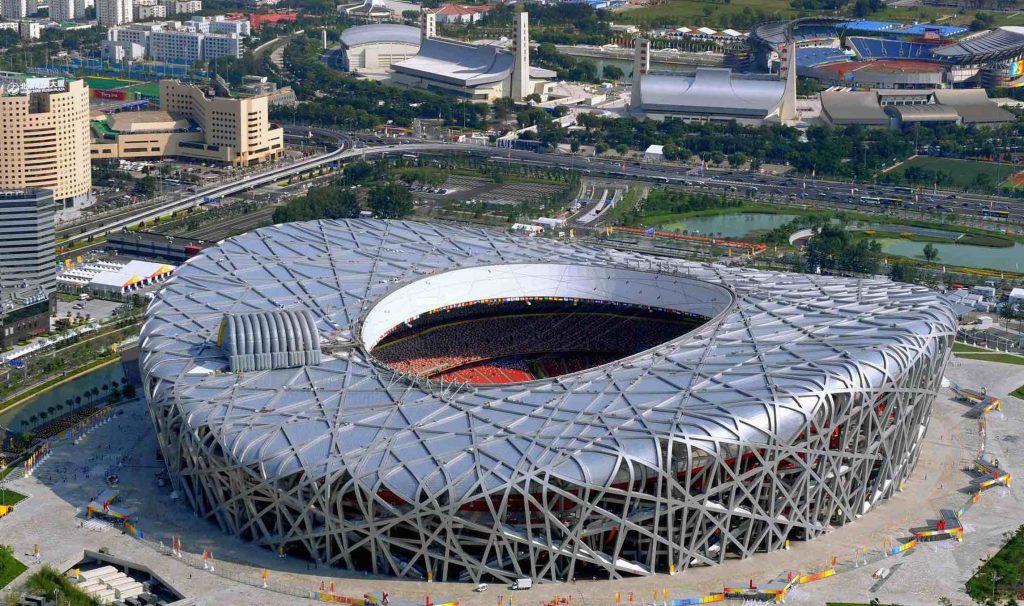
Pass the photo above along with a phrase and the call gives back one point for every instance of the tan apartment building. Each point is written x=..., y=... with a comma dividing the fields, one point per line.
x=193, y=123
x=45, y=138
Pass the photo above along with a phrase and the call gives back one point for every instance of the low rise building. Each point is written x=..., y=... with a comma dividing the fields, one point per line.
x=192, y=123
x=900, y=107
x=454, y=14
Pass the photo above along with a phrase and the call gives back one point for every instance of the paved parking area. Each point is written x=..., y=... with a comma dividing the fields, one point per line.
x=126, y=446
x=94, y=308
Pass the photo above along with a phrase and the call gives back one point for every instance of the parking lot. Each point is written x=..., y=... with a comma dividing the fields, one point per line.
x=481, y=189
x=93, y=308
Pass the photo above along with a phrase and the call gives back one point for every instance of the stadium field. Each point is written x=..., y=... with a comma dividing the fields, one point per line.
x=100, y=83
x=146, y=89
x=963, y=172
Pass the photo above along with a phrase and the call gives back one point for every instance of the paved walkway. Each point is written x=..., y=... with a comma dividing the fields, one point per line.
x=126, y=446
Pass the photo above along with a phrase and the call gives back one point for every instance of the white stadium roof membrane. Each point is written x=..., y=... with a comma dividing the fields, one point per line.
x=786, y=363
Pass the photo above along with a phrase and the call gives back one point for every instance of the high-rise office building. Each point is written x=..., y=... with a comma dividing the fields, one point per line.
x=46, y=139
x=26, y=240
x=113, y=12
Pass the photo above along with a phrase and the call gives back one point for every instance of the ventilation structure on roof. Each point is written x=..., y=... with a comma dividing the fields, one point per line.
x=268, y=340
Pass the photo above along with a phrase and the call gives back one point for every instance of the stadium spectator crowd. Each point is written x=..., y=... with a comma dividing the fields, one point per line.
x=506, y=340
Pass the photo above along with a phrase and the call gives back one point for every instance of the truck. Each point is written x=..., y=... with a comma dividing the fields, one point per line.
x=521, y=584
x=84, y=297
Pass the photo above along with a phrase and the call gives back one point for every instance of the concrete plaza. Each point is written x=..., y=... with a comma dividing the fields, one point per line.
x=59, y=490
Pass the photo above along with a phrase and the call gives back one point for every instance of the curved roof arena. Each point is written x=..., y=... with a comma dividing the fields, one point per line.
x=458, y=63
x=776, y=344
x=380, y=33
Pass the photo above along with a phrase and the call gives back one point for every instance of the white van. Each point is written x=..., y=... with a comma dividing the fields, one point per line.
x=519, y=584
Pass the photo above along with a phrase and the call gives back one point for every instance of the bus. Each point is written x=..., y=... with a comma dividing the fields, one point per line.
x=903, y=190
x=995, y=212
x=870, y=200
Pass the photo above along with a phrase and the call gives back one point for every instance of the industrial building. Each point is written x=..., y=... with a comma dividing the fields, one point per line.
x=898, y=107
x=46, y=138
x=377, y=47
x=475, y=72
x=195, y=123
x=780, y=405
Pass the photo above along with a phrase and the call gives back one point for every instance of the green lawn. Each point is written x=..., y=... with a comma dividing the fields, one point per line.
x=10, y=568
x=100, y=83
x=959, y=347
x=994, y=357
x=9, y=497
x=48, y=579
x=1008, y=566
x=963, y=172
x=700, y=12
x=1018, y=393
x=146, y=89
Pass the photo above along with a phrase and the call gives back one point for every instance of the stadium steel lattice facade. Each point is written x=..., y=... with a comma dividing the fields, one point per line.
x=802, y=402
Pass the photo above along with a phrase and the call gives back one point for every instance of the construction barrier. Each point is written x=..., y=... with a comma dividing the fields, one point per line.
x=339, y=599
x=705, y=599
x=898, y=549
x=817, y=576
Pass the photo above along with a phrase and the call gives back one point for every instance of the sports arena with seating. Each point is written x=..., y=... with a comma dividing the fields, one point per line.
x=451, y=403
x=875, y=54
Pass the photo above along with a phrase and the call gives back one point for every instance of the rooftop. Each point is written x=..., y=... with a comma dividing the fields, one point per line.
x=711, y=91
x=378, y=33
x=458, y=63
x=145, y=121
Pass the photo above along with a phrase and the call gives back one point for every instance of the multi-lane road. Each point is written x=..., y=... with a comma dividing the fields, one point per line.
x=754, y=185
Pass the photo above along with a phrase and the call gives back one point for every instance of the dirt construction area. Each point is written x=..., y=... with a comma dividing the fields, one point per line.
x=125, y=445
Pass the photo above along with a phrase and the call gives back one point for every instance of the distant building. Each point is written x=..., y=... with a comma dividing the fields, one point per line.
x=378, y=47
x=146, y=10
x=176, y=42
x=193, y=124
x=111, y=13
x=182, y=7
x=45, y=143
x=258, y=20
x=475, y=72
x=30, y=30
x=62, y=11
x=218, y=24
x=452, y=13
x=27, y=259
x=899, y=107
x=15, y=9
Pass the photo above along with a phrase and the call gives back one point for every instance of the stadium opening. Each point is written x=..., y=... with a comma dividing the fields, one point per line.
x=551, y=328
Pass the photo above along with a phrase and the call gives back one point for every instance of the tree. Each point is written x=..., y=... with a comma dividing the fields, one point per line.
x=930, y=252
x=390, y=201
x=574, y=145
x=611, y=72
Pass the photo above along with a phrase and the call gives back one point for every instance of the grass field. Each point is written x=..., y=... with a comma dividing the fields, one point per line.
x=100, y=83
x=993, y=357
x=1018, y=393
x=1008, y=568
x=146, y=89
x=700, y=12
x=10, y=568
x=959, y=347
x=9, y=497
x=963, y=172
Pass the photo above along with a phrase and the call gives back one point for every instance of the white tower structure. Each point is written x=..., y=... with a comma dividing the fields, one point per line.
x=786, y=111
x=428, y=25
x=641, y=67
x=521, y=68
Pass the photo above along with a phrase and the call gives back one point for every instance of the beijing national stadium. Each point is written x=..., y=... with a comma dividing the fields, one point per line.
x=433, y=401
